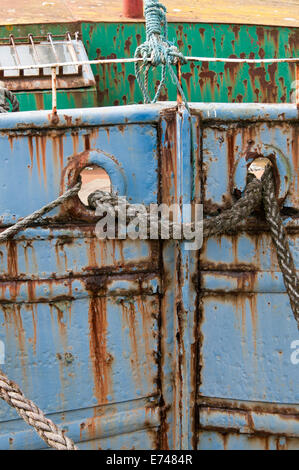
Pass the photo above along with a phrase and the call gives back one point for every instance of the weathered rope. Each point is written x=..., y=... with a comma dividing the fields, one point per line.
x=280, y=240
x=156, y=51
x=27, y=221
x=32, y=415
x=223, y=223
x=231, y=219
x=7, y=97
x=255, y=192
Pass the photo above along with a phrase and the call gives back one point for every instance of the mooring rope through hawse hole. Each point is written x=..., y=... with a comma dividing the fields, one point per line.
x=156, y=51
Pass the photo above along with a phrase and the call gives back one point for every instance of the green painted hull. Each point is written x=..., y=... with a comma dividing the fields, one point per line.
x=214, y=82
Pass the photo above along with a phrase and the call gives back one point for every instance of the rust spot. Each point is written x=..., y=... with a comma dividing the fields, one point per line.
x=129, y=318
x=60, y=150
x=187, y=76
x=236, y=30
x=97, y=284
x=274, y=33
x=75, y=139
x=225, y=440
x=13, y=320
x=60, y=308
x=86, y=142
x=30, y=145
x=261, y=53
x=214, y=46
x=91, y=427
x=207, y=74
x=128, y=43
x=121, y=128
x=131, y=80
x=202, y=33
x=37, y=156
x=260, y=32
x=53, y=117
x=68, y=119
x=179, y=34
x=11, y=140
x=169, y=173
x=293, y=42
x=12, y=258
x=98, y=348
x=267, y=88
x=39, y=99
x=43, y=139
x=232, y=69
x=231, y=158
x=82, y=428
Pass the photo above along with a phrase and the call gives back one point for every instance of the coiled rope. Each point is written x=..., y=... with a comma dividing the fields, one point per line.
x=7, y=98
x=157, y=51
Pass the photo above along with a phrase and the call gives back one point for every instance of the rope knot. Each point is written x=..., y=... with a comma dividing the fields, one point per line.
x=157, y=51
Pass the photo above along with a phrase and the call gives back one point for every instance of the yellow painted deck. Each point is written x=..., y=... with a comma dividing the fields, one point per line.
x=274, y=12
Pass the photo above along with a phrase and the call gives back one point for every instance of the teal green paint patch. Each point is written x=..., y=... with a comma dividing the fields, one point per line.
x=203, y=82
x=66, y=99
x=214, y=82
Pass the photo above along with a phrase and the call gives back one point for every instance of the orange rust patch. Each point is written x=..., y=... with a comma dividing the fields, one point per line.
x=43, y=139
x=75, y=139
x=12, y=258
x=169, y=159
x=98, y=348
x=37, y=156
x=129, y=318
x=60, y=145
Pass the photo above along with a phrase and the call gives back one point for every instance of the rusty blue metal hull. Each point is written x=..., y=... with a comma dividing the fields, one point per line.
x=143, y=344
